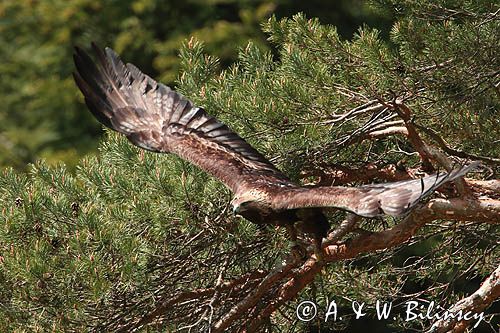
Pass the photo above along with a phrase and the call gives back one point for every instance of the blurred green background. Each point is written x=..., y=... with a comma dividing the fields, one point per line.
x=42, y=113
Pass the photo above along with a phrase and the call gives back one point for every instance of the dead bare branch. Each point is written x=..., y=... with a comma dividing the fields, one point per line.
x=249, y=301
x=371, y=106
x=166, y=303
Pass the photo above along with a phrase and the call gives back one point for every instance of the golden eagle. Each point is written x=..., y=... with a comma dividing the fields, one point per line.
x=156, y=118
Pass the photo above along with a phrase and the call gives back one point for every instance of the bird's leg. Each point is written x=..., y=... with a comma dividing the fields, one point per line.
x=298, y=251
x=315, y=224
x=318, y=249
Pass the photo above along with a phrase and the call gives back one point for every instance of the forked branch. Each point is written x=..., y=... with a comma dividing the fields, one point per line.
x=480, y=210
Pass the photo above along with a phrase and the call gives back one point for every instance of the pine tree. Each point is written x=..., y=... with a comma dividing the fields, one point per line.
x=136, y=240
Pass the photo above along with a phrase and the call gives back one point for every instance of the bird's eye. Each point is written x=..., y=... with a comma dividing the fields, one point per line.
x=243, y=206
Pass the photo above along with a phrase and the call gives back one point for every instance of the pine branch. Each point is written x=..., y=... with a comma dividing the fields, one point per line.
x=477, y=302
x=481, y=210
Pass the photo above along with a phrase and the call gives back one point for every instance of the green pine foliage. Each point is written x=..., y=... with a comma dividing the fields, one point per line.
x=95, y=248
x=74, y=247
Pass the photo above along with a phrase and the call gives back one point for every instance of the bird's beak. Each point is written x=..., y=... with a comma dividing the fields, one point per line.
x=236, y=211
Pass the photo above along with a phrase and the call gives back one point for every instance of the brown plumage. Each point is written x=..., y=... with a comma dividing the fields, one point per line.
x=156, y=118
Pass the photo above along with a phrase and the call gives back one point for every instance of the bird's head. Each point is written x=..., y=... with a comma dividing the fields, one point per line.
x=238, y=209
x=247, y=201
x=240, y=205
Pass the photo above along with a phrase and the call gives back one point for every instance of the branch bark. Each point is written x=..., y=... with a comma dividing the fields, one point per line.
x=420, y=146
x=481, y=210
x=350, y=249
x=475, y=303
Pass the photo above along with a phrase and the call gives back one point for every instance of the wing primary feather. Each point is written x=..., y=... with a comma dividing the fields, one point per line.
x=156, y=118
x=94, y=102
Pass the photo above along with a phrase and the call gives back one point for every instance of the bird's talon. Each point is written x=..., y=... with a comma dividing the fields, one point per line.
x=298, y=251
x=319, y=255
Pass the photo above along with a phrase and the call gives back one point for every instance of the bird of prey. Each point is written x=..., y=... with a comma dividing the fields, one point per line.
x=158, y=119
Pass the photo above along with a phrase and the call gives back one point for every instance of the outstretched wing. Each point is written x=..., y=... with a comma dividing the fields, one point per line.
x=156, y=118
x=393, y=199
